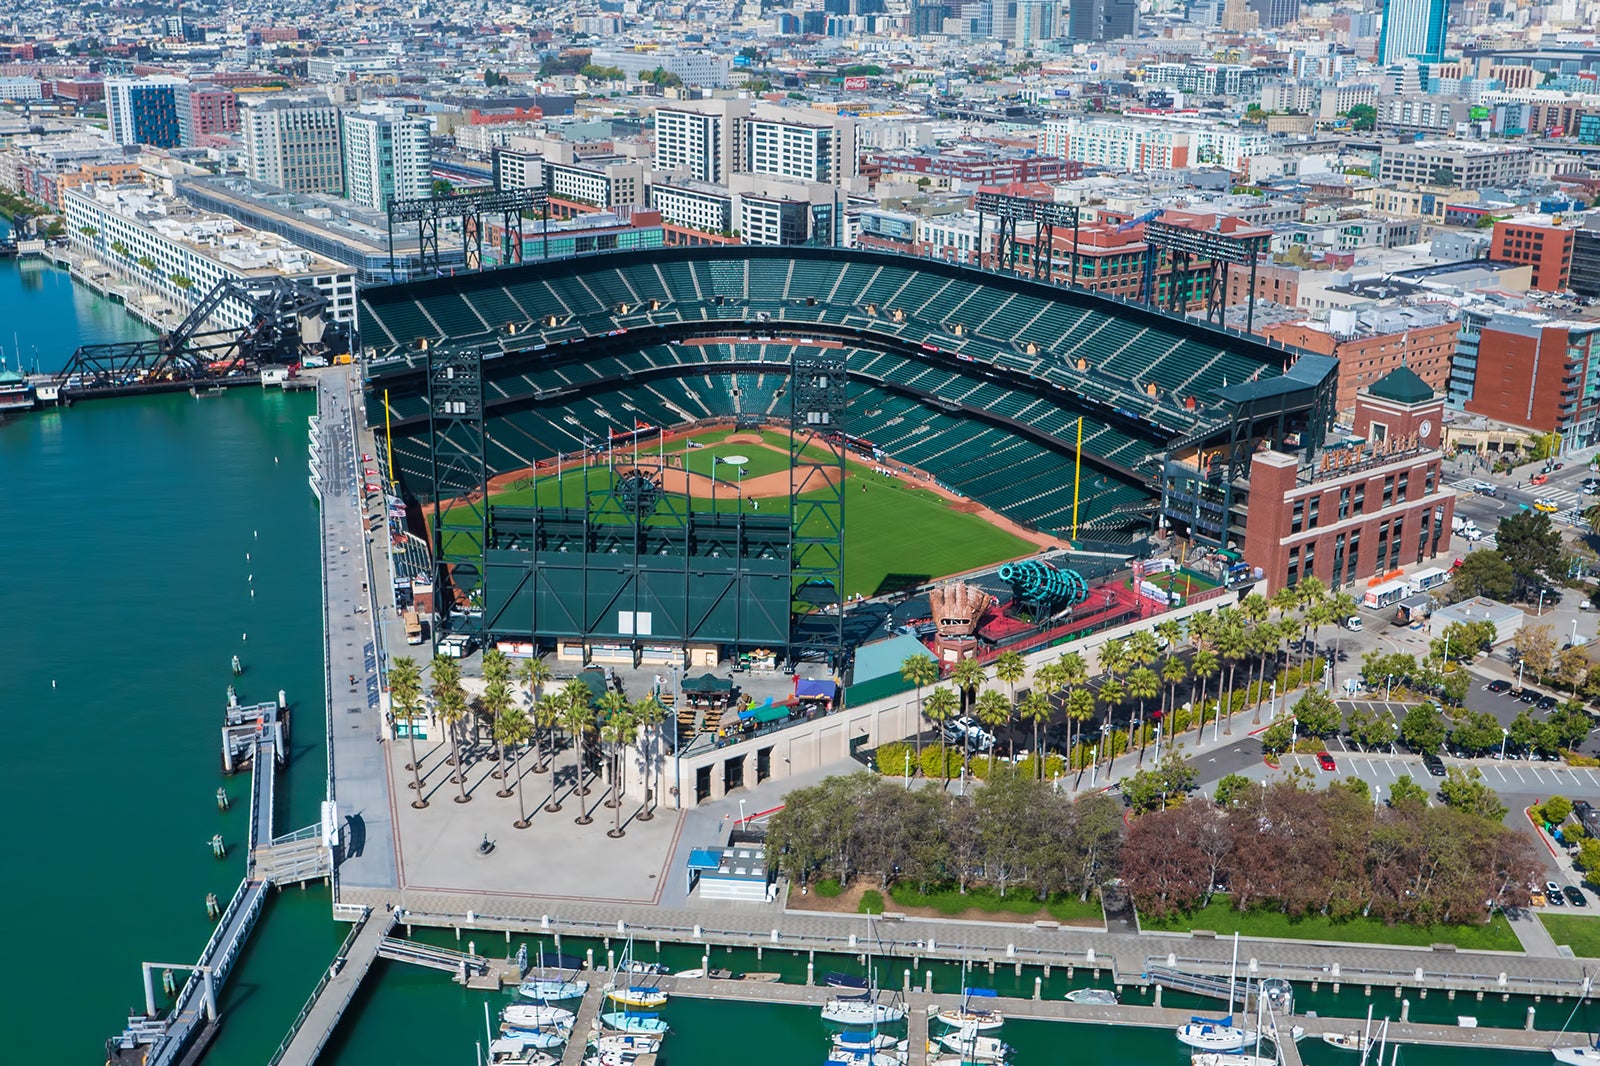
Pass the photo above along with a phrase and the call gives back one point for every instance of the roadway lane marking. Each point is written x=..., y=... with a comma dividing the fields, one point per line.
x=1518, y=772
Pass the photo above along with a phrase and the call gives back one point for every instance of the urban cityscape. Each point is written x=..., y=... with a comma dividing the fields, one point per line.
x=890, y=532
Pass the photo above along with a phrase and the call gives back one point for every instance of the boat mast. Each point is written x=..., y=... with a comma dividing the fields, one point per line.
x=1366, y=1039
x=1233, y=974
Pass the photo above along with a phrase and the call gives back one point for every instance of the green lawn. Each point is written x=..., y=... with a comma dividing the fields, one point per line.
x=1220, y=917
x=895, y=534
x=1581, y=934
x=981, y=899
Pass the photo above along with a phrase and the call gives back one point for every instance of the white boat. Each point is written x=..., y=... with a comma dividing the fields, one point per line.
x=868, y=1041
x=552, y=990
x=862, y=1010
x=1230, y=1058
x=845, y=1057
x=1351, y=1041
x=975, y=1048
x=969, y=1014
x=626, y=1044
x=628, y=1022
x=536, y=1038
x=1215, y=1034
x=537, y=1016
x=637, y=996
x=1099, y=997
x=513, y=1051
x=1582, y=1055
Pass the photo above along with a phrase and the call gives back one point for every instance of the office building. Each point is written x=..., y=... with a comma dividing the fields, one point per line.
x=1533, y=240
x=294, y=143
x=1412, y=29
x=1366, y=505
x=1531, y=371
x=213, y=111
x=1102, y=20
x=387, y=156
x=1270, y=14
x=152, y=111
x=712, y=140
x=696, y=142
x=1464, y=164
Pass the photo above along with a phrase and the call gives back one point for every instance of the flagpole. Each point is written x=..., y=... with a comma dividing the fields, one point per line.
x=1077, y=473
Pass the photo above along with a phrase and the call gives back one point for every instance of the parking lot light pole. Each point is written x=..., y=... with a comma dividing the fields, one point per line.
x=1505, y=735
x=1387, y=682
x=1519, y=673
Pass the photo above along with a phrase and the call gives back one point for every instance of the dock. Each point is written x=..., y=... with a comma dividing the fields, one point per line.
x=334, y=993
x=587, y=1021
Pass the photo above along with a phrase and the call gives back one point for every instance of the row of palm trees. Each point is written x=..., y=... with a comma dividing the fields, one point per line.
x=1141, y=667
x=573, y=707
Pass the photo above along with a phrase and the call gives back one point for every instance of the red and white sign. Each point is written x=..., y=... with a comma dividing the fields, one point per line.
x=855, y=85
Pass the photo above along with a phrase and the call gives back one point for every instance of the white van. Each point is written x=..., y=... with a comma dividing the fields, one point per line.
x=1353, y=623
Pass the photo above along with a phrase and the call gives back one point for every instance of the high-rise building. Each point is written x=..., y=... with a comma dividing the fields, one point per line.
x=387, y=156
x=294, y=143
x=1274, y=13
x=714, y=139
x=1102, y=20
x=1412, y=29
x=213, y=110
x=153, y=111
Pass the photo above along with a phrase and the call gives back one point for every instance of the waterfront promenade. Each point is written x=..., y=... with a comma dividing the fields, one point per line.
x=358, y=777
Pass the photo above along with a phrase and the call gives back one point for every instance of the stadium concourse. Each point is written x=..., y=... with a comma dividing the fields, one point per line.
x=978, y=378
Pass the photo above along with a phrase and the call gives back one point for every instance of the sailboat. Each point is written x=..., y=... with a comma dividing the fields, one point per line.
x=974, y=1047
x=551, y=989
x=1099, y=997
x=1218, y=1034
x=862, y=1009
x=853, y=1040
x=626, y=1044
x=629, y=1022
x=640, y=996
x=1577, y=1054
x=1238, y=1058
x=1353, y=1040
x=531, y=1016
x=968, y=1014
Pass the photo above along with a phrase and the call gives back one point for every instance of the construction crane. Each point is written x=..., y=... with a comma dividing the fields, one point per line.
x=1148, y=216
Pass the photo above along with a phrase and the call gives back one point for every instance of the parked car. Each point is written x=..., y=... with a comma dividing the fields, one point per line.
x=1548, y=703
x=1434, y=764
x=964, y=730
x=1575, y=896
x=1536, y=898
x=1325, y=761
x=1528, y=695
x=1498, y=685
x=1552, y=894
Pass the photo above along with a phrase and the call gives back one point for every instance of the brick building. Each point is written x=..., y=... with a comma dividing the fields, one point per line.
x=213, y=111
x=1371, y=343
x=1369, y=503
x=1532, y=372
x=1532, y=239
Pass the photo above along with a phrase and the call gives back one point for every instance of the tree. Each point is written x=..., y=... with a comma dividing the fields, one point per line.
x=1204, y=667
x=451, y=705
x=512, y=730
x=1423, y=729
x=1232, y=646
x=1317, y=713
x=968, y=677
x=1141, y=685
x=618, y=731
x=1368, y=730
x=535, y=675
x=405, y=702
x=1444, y=176
x=1174, y=673
x=1404, y=790
x=1362, y=117
x=1080, y=710
x=546, y=715
x=1476, y=733
x=496, y=702
x=1483, y=573
x=939, y=709
x=919, y=670
x=1571, y=666
x=650, y=714
x=1531, y=545
x=1037, y=709
x=1588, y=858
x=1234, y=790
x=1278, y=736
x=1527, y=733
x=577, y=717
x=994, y=711
x=1557, y=809
x=1161, y=786
x=1465, y=791
x=1569, y=725
x=611, y=704
x=1009, y=668
x=1536, y=646
x=442, y=187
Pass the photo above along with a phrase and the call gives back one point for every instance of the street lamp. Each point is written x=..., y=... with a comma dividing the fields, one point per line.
x=1519, y=673
x=1133, y=724
x=741, y=814
x=1099, y=745
x=908, y=770
x=1158, y=743
x=1388, y=681
x=1216, y=723
x=1504, y=735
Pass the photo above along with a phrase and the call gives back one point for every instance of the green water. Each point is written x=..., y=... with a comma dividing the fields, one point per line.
x=124, y=527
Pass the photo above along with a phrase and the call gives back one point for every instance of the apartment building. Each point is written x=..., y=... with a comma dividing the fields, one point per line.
x=387, y=156
x=295, y=143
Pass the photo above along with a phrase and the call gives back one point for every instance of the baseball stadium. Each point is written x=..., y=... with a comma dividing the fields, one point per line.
x=729, y=446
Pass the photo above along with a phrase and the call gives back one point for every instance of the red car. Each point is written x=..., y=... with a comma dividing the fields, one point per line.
x=1325, y=760
x=1539, y=479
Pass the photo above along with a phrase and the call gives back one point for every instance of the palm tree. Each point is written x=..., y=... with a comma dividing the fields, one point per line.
x=919, y=670
x=1203, y=666
x=1263, y=640
x=1202, y=628
x=1142, y=649
x=649, y=714
x=1173, y=672
x=535, y=674
x=1050, y=681
x=575, y=693
x=1074, y=673
x=1142, y=684
x=994, y=710
x=546, y=713
x=1283, y=601
x=512, y=730
x=968, y=677
x=1037, y=708
x=496, y=701
x=577, y=717
x=1113, y=657
x=1009, y=668
x=1111, y=695
x=1170, y=631
x=1232, y=646
x=618, y=731
x=451, y=704
x=611, y=705
x=940, y=708
x=405, y=702
x=1080, y=709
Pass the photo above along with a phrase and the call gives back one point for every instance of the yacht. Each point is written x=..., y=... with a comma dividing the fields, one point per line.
x=861, y=1010
x=1099, y=997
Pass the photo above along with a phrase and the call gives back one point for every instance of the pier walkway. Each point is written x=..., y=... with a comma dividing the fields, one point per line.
x=587, y=1021
x=358, y=777
x=334, y=993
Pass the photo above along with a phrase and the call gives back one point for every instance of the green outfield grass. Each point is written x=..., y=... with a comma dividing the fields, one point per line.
x=895, y=534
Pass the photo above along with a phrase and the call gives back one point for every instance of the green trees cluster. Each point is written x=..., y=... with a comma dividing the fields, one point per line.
x=1531, y=545
x=1299, y=850
x=1015, y=834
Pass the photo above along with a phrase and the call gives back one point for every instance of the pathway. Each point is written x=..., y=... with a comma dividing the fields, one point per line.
x=332, y=997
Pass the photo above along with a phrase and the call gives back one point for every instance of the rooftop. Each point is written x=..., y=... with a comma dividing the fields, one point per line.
x=1401, y=385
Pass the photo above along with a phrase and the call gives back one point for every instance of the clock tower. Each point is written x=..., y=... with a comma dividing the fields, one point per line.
x=1400, y=406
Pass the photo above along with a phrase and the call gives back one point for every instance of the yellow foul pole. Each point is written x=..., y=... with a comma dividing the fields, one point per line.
x=1077, y=471
x=389, y=447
